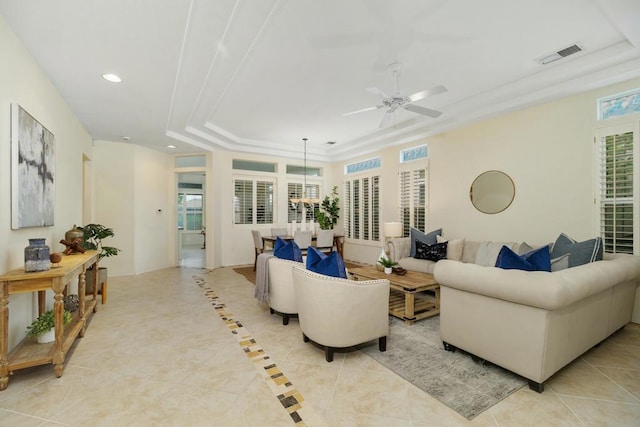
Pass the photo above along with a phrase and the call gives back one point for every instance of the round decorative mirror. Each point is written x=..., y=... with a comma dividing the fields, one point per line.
x=492, y=192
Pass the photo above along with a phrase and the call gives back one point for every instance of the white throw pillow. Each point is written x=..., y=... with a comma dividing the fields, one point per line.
x=488, y=252
x=454, y=247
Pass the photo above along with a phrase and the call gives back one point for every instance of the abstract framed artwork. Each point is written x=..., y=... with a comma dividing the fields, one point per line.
x=32, y=171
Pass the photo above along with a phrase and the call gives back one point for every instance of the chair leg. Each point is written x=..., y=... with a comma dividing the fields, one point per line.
x=382, y=343
x=255, y=262
x=537, y=387
x=271, y=310
x=305, y=338
x=328, y=352
x=285, y=319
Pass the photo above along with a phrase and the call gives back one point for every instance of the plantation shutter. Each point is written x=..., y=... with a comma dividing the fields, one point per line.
x=413, y=200
x=361, y=205
x=243, y=201
x=264, y=202
x=253, y=201
x=617, y=201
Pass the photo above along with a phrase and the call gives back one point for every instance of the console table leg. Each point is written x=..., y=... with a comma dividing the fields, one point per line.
x=4, y=341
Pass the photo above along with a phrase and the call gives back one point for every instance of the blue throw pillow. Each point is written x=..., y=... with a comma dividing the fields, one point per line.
x=535, y=260
x=427, y=239
x=580, y=252
x=287, y=250
x=431, y=252
x=329, y=265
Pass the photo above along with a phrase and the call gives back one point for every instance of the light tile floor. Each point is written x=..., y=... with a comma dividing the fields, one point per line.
x=160, y=354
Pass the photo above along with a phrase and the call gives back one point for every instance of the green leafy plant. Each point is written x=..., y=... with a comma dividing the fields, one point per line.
x=45, y=322
x=328, y=213
x=387, y=262
x=93, y=235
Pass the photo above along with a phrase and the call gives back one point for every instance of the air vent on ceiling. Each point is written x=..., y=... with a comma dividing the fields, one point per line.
x=562, y=53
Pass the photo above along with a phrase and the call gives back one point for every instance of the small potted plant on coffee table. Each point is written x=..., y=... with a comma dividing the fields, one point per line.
x=44, y=326
x=387, y=263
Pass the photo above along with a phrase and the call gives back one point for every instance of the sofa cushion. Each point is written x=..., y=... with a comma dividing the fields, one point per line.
x=428, y=238
x=535, y=260
x=580, y=252
x=431, y=252
x=287, y=250
x=329, y=265
x=454, y=247
x=419, y=265
x=488, y=252
x=470, y=251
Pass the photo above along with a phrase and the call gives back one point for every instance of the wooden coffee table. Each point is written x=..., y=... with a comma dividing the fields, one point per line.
x=407, y=299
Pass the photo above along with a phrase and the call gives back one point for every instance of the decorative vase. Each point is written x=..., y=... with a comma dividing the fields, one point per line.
x=387, y=270
x=36, y=256
x=47, y=336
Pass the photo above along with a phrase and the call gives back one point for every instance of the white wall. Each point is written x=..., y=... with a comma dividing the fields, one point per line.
x=234, y=243
x=130, y=184
x=23, y=82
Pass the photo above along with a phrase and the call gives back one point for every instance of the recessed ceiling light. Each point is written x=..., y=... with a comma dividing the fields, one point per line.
x=171, y=146
x=126, y=138
x=113, y=78
x=331, y=142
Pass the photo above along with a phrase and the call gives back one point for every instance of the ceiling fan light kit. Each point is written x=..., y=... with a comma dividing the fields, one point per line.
x=391, y=103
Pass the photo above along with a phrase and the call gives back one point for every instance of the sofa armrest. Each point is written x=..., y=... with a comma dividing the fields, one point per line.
x=399, y=247
x=549, y=291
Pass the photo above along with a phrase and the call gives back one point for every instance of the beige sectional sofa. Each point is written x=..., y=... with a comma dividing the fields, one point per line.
x=531, y=323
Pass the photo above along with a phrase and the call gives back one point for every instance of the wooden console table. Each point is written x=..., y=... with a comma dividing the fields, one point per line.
x=28, y=352
x=405, y=299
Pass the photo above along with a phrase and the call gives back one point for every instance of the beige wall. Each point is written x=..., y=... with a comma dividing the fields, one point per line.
x=131, y=183
x=547, y=150
x=22, y=82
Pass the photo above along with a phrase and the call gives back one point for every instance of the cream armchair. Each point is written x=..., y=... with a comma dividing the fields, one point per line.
x=337, y=313
x=282, y=297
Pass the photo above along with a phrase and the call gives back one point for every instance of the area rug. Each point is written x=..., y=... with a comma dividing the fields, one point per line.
x=469, y=387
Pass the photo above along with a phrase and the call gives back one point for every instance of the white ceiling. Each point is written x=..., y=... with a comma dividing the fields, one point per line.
x=258, y=76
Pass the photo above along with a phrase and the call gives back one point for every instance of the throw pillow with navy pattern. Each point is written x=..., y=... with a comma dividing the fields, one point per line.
x=431, y=252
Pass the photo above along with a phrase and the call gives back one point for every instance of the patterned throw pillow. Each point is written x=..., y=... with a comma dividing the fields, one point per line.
x=428, y=238
x=287, y=250
x=434, y=252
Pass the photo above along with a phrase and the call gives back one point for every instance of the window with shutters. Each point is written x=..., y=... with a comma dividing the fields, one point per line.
x=413, y=199
x=618, y=178
x=294, y=191
x=253, y=201
x=361, y=208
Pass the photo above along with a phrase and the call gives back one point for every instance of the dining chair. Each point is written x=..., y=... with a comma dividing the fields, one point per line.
x=258, y=245
x=324, y=241
x=281, y=231
x=303, y=240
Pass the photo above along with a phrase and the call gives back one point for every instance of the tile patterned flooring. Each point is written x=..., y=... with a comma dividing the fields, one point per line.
x=161, y=352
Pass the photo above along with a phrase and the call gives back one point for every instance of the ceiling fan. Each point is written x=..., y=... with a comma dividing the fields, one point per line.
x=399, y=100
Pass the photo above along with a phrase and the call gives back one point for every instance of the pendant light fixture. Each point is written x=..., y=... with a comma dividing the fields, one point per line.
x=304, y=199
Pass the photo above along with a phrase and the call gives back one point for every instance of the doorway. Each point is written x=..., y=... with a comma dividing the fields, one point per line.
x=191, y=221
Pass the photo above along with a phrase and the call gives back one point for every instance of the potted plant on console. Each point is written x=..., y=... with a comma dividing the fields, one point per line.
x=93, y=236
x=44, y=326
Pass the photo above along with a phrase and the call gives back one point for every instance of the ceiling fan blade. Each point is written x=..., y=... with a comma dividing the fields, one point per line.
x=386, y=119
x=429, y=92
x=422, y=110
x=378, y=92
x=363, y=110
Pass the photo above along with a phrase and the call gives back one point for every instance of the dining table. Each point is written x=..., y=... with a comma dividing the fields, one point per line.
x=338, y=241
